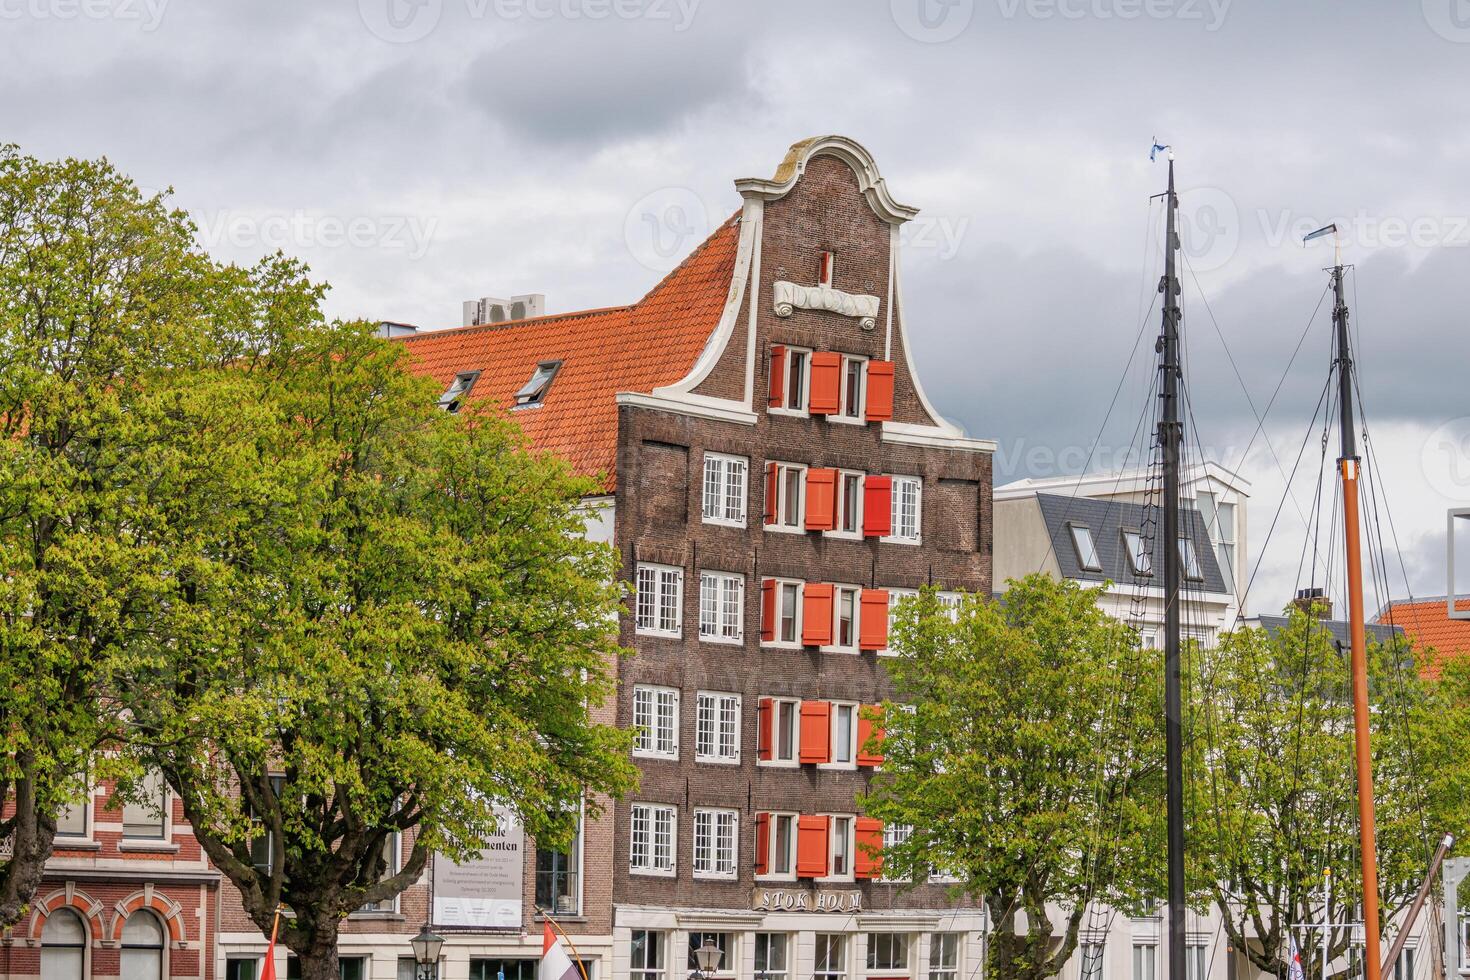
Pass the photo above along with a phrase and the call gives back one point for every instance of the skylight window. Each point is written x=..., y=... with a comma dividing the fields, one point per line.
x=1139, y=555
x=1086, y=549
x=1190, y=560
x=534, y=391
x=458, y=391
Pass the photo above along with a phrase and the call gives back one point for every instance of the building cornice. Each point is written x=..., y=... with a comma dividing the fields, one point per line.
x=851, y=152
x=686, y=403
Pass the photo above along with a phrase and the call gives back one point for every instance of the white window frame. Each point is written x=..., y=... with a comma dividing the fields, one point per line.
x=653, y=602
x=841, y=414
x=662, y=703
x=907, y=945
x=708, y=822
x=795, y=760
x=1140, y=556
x=788, y=951
x=893, y=835
x=1075, y=531
x=723, y=469
x=951, y=602
x=163, y=839
x=389, y=906
x=894, y=537
x=945, y=971
x=806, y=383
x=852, y=739
x=717, y=706
x=895, y=596
x=1092, y=962
x=848, y=839
x=1190, y=567
x=772, y=827
x=782, y=468
x=838, y=591
x=717, y=602
x=844, y=967
x=857, y=533
x=653, y=814
x=656, y=940
x=796, y=618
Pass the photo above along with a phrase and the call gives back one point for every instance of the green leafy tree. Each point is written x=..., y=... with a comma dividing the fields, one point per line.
x=1027, y=756
x=1274, y=793
x=392, y=624
x=100, y=287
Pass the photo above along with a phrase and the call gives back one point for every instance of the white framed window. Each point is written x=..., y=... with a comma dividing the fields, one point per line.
x=728, y=953
x=888, y=952
x=845, y=612
x=1085, y=547
x=717, y=727
x=831, y=959
x=840, y=848
x=796, y=381
x=715, y=836
x=944, y=956
x=781, y=856
x=143, y=947
x=146, y=818
x=950, y=602
x=725, y=481
x=907, y=508
x=721, y=607
x=1189, y=561
x=851, y=400
x=790, y=513
x=895, y=834
x=1146, y=959
x=844, y=735
x=1194, y=963
x=849, y=505
x=75, y=818
x=64, y=944
x=772, y=955
x=785, y=719
x=1140, y=556
x=656, y=721
x=788, y=613
x=895, y=596
x=392, y=864
x=660, y=600
x=651, y=840
x=647, y=955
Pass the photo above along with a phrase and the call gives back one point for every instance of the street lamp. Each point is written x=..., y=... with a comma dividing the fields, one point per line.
x=426, y=948
x=707, y=957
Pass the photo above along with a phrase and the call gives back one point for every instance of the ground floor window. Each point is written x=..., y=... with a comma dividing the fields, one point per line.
x=944, y=956
x=348, y=968
x=720, y=939
x=773, y=955
x=647, y=957
x=831, y=962
x=142, y=948
x=503, y=969
x=63, y=946
x=242, y=968
x=888, y=952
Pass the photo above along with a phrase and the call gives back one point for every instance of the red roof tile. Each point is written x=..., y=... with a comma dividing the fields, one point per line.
x=654, y=342
x=1428, y=624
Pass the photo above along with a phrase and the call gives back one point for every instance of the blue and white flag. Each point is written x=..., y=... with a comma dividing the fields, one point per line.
x=1152, y=154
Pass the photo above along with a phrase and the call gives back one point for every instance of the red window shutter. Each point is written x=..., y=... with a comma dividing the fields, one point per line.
x=764, y=729
x=762, y=842
x=811, y=846
x=821, y=500
x=877, y=506
x=826, y=383
x=776, y=397
x=768, y=610
x=870, y=730
x=880, y=391
x=868, y=835
x=772, y=496
x=816, y=614
x=873, y=629
x=816, y=732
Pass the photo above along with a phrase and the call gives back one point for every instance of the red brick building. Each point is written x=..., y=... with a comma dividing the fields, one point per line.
x=127, y=894
x=774, y=476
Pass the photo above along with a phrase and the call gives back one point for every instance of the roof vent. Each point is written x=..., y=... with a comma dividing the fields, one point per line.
x=489, y=309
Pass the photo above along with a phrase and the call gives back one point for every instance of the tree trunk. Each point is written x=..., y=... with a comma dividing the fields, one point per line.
x=30, y=842
x=319, y=961
x=314, y=941
x=1018, y=955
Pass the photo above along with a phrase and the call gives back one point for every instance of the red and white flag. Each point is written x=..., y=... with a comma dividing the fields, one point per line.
x=555, y=963
x=1296, y=971
x=268, y=969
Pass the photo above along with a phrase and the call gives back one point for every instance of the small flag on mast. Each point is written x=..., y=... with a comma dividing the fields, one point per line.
x=1329, y=230
x=1153, y=154
x=555, y=963
x=268, y=970
x=1296, y=962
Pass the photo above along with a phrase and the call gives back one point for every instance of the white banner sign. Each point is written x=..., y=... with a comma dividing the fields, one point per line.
x=485, y=892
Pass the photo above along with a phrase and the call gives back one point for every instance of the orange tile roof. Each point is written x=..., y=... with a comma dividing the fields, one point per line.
x=1428, y=624
x=654, y=342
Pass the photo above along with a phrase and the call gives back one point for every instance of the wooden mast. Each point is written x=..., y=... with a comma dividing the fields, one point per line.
x=1349, y=469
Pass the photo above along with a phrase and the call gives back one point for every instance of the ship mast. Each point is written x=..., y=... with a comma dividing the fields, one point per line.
x=1171, y=437
x=1349, y=469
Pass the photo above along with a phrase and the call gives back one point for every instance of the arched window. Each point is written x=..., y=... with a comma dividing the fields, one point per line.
x=142, y=947
x=63, y=946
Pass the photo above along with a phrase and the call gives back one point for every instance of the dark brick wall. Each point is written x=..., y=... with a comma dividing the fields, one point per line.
x=824, y=212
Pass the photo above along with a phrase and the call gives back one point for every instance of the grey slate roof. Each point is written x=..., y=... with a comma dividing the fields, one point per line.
x=1337, y=627
x=1107, y=519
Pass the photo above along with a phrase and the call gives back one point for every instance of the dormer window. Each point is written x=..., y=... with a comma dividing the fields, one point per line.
x=1190, y=560
x=1140, y=558
x=458, y=391
x=1085, y=547
x=534, y=391
x=826, y=268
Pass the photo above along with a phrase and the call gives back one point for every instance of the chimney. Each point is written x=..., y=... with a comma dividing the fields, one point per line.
x=390, y=329
x=490, y=309
x=1313, y=602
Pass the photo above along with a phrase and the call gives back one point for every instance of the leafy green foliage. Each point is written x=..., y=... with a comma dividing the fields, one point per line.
x=1027, y=757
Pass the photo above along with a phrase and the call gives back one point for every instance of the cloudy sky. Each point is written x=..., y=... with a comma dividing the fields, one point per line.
x=421, y=152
